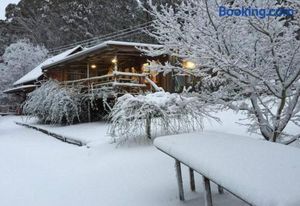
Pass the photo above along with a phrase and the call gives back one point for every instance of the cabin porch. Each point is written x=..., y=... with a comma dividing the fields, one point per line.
x=118, y=82
x=119, y=68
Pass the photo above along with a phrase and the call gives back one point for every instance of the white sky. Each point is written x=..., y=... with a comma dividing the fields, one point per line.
x=3, y=4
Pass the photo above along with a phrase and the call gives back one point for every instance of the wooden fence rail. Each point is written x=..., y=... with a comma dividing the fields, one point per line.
x=57, y=136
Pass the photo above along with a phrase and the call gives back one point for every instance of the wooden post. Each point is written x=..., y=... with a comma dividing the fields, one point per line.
x=220, y=189
x=179, y=180
x=207, y=190
x=115, y=61
x=89, y=110
x=148, y=126
x=89, y=105
x=192, y=180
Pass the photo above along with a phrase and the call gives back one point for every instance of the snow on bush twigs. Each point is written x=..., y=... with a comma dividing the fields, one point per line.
x=54, y=104
x=146, y=116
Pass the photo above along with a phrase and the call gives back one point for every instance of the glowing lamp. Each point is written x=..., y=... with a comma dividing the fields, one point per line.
x=189, y=65
x=93, y=66
x=145, y=67
x=114, y=60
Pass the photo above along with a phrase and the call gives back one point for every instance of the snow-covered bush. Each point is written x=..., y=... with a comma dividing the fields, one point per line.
x=146, y=116
x=53, y=103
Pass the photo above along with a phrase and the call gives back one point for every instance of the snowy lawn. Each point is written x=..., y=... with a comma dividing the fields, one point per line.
x=96, y=133
x=38, y=170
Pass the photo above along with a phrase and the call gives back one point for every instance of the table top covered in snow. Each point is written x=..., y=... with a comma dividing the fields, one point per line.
x=260, y=172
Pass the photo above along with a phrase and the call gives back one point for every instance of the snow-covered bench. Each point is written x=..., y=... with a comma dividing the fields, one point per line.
x=259, y=172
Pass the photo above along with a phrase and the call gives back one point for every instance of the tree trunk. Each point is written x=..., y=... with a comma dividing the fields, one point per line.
x=148, y=127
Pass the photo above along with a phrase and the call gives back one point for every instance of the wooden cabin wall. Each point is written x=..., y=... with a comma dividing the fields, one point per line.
x=131, y=64
x=74, y=72
x=55, y=74
x=67, y=73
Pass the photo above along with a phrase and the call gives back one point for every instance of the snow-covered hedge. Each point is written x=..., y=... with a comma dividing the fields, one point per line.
x=160, y=113
x=54, y=104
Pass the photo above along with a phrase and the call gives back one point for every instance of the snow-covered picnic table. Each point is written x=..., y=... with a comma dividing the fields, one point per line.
x=259, y=172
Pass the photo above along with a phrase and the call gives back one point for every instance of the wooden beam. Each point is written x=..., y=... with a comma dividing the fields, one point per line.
x=179, y=179
x=207, y=190
x=88, y=102
x=192, y=180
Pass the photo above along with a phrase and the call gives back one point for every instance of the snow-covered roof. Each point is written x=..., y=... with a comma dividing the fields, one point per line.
x=37, y=71
x=19, y=88
x=260, y=172
x=101, y=46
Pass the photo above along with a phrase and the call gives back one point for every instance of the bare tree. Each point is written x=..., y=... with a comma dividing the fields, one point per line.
x=260, y=57
x=20, y=58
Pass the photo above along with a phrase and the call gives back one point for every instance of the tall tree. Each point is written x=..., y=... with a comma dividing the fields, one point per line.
x=55, y=23
x=260, y=57
x=20, y=58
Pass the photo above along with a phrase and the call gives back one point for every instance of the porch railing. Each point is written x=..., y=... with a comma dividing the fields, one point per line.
x=119, y=81
x=8, y=109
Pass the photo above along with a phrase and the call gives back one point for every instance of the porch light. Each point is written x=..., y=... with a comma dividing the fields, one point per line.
x=189, y=65
x=93, y=66
x=145, y=67
x=114, y=60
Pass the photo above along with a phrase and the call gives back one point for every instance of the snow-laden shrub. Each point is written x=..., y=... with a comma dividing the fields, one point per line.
x=160, y=113
x=53, y=103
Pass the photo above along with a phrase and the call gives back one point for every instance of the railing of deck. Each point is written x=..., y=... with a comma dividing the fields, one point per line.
x=8, y=109
x=125, y=80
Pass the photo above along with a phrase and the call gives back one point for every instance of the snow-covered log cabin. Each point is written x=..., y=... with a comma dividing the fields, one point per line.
x=109, y=69
x=120, y=66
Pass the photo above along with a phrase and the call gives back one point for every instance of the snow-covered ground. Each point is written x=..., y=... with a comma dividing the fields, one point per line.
x=38, y=170
x=96, y=132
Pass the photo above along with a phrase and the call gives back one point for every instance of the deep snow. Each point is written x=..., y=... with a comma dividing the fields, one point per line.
x=38, y=170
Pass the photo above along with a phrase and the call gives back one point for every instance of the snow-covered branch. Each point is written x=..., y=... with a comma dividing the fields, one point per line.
x=259, y=58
